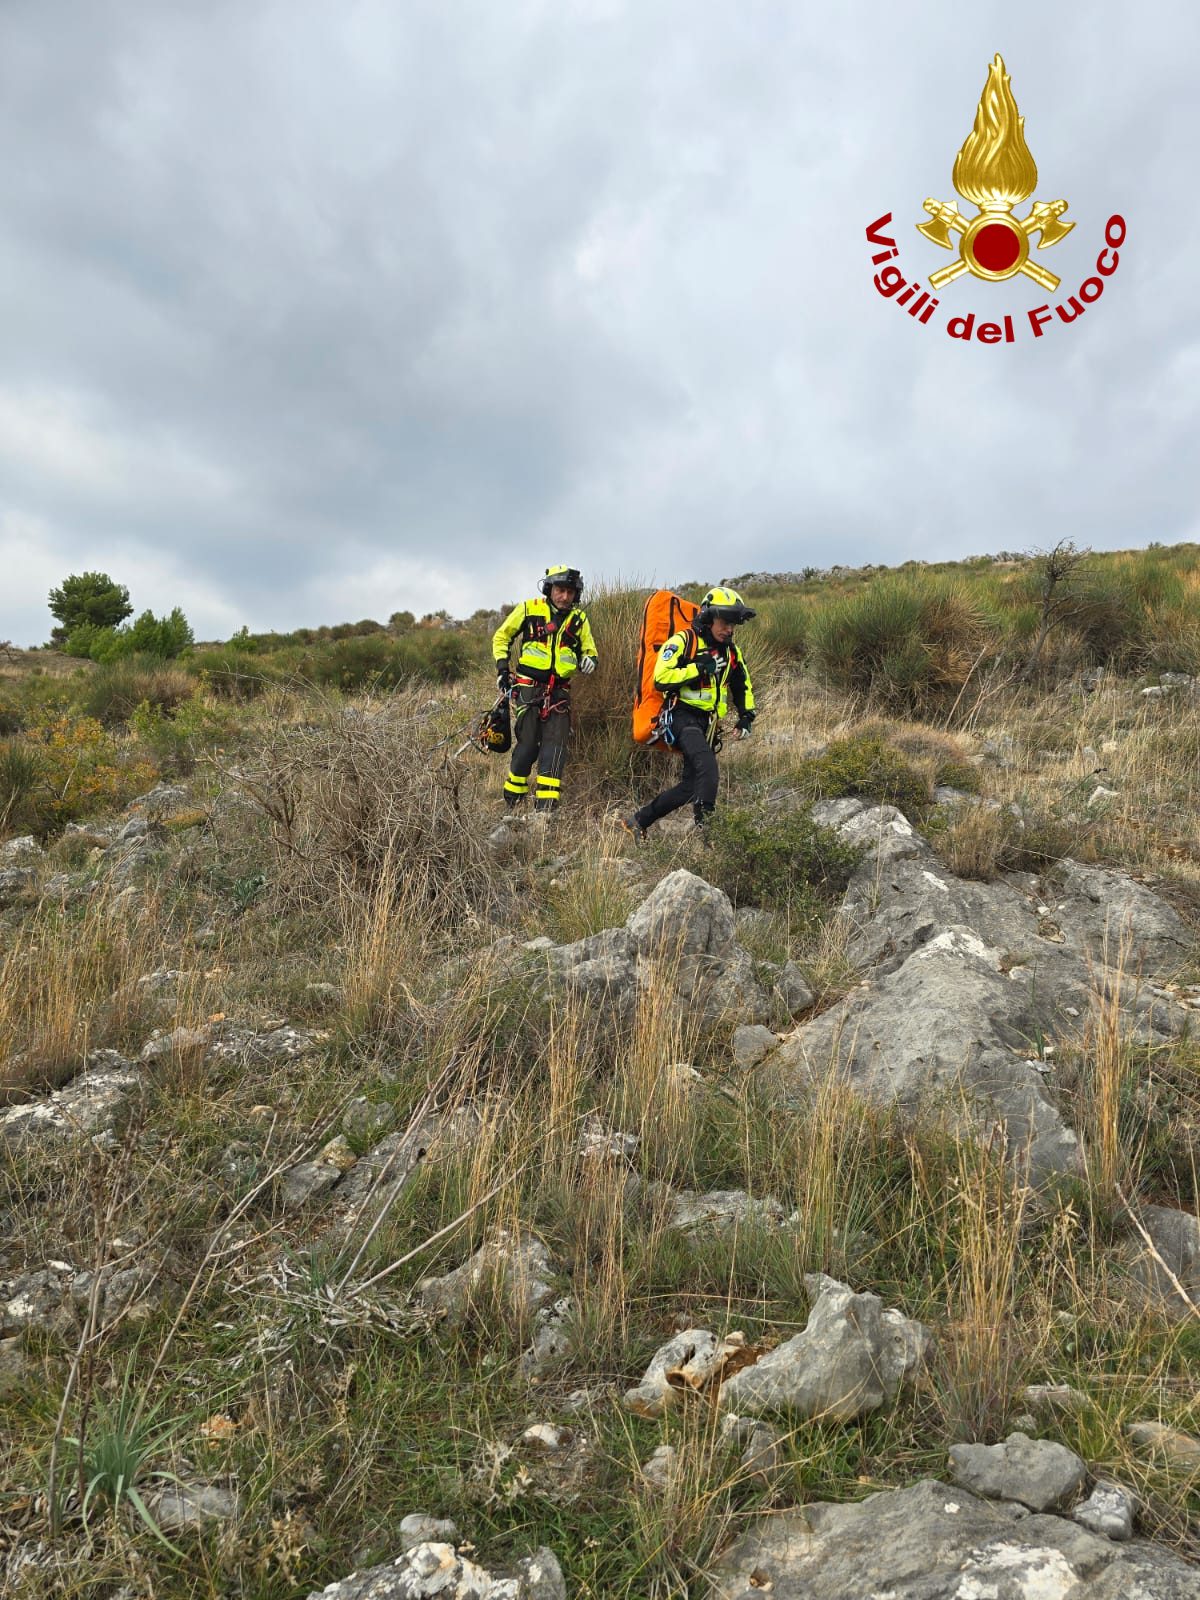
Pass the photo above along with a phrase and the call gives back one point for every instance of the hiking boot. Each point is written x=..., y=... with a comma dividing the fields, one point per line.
x=632, y=826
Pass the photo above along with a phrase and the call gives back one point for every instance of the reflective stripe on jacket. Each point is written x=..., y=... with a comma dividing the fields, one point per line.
x=551, y=641
x=677, y=673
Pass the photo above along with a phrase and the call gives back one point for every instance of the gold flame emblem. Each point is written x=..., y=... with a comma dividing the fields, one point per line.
x=995, y=171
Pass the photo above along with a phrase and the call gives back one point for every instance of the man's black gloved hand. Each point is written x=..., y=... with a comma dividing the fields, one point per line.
x=745, y=721
x=503, y=677
x=705, y=665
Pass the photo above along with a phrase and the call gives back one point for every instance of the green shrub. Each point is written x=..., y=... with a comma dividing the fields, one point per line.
x=41, y=696
x=114, y=692
x=175, y=737
x=234, y=671
x=869, y=769
x=71, y=767
x=88, y=641
x=1111, y=624
x=161, y=637
x=20, y=769
x=907, y=643
x=783, y=626
x=781, y=860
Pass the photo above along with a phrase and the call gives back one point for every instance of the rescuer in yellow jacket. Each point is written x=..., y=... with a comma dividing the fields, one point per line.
x=700, y=670
x=555, y=642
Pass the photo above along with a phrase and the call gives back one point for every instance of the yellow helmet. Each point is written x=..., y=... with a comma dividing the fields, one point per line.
x=569, y=577
x=726, y=603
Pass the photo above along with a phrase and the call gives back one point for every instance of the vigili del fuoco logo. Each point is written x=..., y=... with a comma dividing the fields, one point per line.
x=996, y=173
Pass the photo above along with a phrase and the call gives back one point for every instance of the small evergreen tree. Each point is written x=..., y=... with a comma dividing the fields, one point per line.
x=88, y=597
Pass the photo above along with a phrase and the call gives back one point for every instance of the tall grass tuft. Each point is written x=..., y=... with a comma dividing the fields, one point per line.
x=983, y=1353
x=910, y=644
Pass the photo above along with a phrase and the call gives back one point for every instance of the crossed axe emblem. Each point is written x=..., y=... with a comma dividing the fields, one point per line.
x=1043, y=218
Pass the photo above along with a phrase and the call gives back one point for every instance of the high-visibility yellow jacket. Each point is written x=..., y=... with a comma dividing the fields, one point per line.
x=552, y=642
x=676, y=673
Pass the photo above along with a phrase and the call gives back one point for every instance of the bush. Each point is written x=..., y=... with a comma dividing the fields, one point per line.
x=908, y=643
x=233, y=672
x=868, y=769
x=767, y=859
x=161, y=637
x=69, y=768
x=783, y=626
x=114, y=692
x=356, y=808
x=175, y=738
x=25, y=702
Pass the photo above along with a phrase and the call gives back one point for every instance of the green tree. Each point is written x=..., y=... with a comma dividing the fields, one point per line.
x=88, y=597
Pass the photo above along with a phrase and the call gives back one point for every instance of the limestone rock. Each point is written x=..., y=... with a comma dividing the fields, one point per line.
x=1054, y=1399
x=436, y=1571
x=1109, y=1509
x=945, y=1023
x=751, y=1043
x=1174, y=1445
x=1089, y=900
x=14, y=882
x=519, y=1267
x=932, y=1542
x=600, y=970
x=417, y=1529
x=14, y=1366
x=191, y=1505
x=551, y=1337
x=661, y=1471
x=366, y=1121
x=762, y=1455
x=848, y=1361
x=97, y=1100
x=1037, y=1473
x=305, y=1182
x=1176, y=1255
x=24, y=851
x=721, y=1210
x=792, y=989
x=884, y=835
x=687, y=926
x=598, y=1143
x=693, y=1360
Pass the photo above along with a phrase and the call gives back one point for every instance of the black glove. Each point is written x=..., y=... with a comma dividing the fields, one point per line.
x=745, y=721
x=705, y=665
x=503, y=677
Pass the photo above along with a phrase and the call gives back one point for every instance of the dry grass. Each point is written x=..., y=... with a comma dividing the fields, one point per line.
x=69, y=986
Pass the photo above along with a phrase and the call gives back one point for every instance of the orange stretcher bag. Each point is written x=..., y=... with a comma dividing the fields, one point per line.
x=665, y=613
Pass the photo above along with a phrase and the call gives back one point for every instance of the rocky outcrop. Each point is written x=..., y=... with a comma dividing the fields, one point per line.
x=965, y=977
x=682, y=940
x=516, y=1268
x=933, y=1542
x=851, y=1359
x=53, y=1299
x=1165, y=1266
x=97, y=1101
x=434, y=1571
x=693, y=1360
x=948, y=1032
x=1037, y=1473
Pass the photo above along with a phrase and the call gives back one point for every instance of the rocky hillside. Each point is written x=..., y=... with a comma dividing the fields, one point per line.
x=404, y=1200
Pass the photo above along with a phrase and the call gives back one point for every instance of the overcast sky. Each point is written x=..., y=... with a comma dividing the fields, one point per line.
x=317, y=311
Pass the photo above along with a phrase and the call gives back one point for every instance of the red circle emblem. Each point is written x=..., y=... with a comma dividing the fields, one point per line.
x=996, y=247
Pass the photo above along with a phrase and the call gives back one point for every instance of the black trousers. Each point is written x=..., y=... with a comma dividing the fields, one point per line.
x=543, y=741
x=700, y=776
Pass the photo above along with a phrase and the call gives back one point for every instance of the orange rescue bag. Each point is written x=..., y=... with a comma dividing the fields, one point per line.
x=666, y=613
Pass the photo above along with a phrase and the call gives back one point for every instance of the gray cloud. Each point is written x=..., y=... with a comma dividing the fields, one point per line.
x=318, y=312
